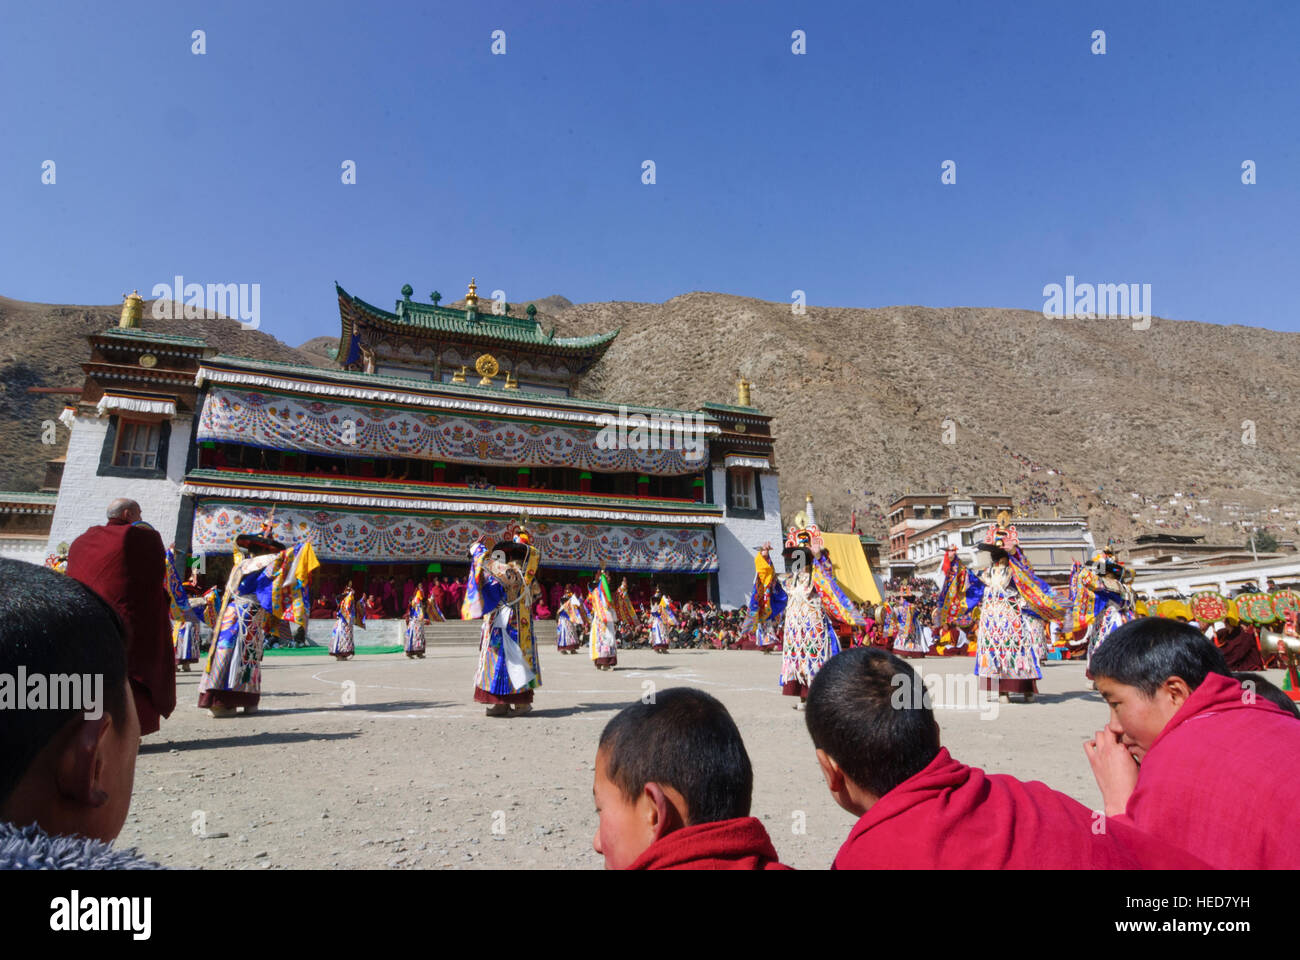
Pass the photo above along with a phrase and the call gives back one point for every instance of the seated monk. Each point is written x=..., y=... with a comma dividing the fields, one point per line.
x=1239, y=646
x=1190, y=755
x=374, y=607
x=673, y=787
x=878, y=747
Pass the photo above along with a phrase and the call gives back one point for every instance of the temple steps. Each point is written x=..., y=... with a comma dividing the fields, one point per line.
x=451, y=633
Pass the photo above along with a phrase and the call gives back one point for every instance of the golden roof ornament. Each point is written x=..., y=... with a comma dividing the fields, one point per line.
x=742, y=393
x=132, y=310
x=471, y=298
x=511, y=383
x=487, y=367
x=459, y=375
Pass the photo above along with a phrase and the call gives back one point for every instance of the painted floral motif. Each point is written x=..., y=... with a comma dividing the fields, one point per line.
x=341, y=536
x=293, y=423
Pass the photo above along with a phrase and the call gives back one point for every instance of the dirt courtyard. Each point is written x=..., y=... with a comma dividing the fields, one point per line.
x=412, y=774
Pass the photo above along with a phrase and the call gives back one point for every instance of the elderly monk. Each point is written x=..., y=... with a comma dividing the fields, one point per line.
x=124, y=562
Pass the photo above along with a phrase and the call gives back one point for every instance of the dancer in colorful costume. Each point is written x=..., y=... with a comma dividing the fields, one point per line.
x=808, y=636
x=661, y=618
x=351, y=613
x=1007, y=592
x=604, y=621
x=415, y=625
x=570, y=621
x=766, y=603
x=499, y=590
x=189, y=607
x=908, y=641
x=1100, y=602
x=265, y=590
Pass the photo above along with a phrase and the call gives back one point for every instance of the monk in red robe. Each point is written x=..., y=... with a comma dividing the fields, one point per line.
x=124, y=562
x=673, y=787
x=1239, y=646
x=1191, y=754
x=918, y=808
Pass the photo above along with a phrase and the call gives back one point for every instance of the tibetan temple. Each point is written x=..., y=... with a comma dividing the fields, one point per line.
x=436, y=425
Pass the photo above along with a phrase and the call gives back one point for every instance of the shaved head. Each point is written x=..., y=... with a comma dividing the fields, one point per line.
x=124, y=509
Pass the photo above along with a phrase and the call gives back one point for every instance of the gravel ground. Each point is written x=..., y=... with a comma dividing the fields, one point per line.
x=413, y=775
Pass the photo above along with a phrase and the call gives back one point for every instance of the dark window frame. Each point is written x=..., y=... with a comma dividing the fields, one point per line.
x=740, y=514
x=158, y=472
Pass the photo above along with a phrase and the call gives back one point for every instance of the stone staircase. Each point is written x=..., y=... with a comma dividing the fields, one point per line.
x=452, y=633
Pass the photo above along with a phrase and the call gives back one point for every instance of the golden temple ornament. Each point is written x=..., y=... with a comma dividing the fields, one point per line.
x=488, y=368
x=471, y=298
x=148, y=361
x=459, y=375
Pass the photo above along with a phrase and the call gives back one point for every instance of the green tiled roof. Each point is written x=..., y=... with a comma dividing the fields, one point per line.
x=377, y=381
x=751, y=411
x=360, y=486
x=426, y=316
x=27, y=496
x=135, y=333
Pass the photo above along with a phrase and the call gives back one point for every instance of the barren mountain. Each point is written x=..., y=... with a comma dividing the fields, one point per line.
x=1067, y=415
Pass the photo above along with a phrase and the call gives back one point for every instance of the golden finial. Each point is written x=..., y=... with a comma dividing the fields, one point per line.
x=471, y=298
x=742, y=390
x=132, y=310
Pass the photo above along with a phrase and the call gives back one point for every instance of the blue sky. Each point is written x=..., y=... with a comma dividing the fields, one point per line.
x=774, y=172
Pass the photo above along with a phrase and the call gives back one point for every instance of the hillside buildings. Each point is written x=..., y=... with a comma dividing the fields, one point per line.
x=923, y=526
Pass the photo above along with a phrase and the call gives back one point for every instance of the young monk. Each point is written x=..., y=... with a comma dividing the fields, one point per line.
x=1189, y=755
x=673, y=787
x=918, y=808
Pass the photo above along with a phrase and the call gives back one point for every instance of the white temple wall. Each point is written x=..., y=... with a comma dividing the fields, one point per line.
x=737, y=540
x=84, y=496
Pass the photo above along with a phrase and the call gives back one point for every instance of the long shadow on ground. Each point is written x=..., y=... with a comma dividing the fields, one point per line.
x=250, y=740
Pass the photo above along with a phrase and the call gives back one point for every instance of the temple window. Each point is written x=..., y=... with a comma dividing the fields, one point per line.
x=137, y=445
x=742, y=489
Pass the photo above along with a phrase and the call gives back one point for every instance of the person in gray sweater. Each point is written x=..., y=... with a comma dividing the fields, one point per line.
x=69, y=733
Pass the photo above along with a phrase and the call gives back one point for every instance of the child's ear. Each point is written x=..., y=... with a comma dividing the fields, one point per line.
x=81, y=764
x=1178, y=691
x=831, y=771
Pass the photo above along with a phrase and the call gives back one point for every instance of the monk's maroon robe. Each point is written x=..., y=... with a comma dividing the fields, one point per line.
x=1240, y=648
x=1223, y=779
x=124, y=563
x=740, y=844
x=954, y=817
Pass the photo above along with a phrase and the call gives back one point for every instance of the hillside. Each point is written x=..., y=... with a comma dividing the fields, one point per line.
x=1068, y=415
x=1075, y=415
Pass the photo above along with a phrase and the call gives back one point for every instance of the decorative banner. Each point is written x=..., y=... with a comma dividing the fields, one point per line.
x=1256, y=608
x=279, y=422
x=1284, y=602
x=377, y=537
x=1209, y=607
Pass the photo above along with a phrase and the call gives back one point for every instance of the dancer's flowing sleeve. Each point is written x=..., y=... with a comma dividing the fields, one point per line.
x=290, y=577
x=471, y=608
x=1082, y=605
x=834, y=599
x=180, y=600
x=1035, y=593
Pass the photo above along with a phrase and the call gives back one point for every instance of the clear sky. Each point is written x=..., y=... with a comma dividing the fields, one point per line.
x=774, y=171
